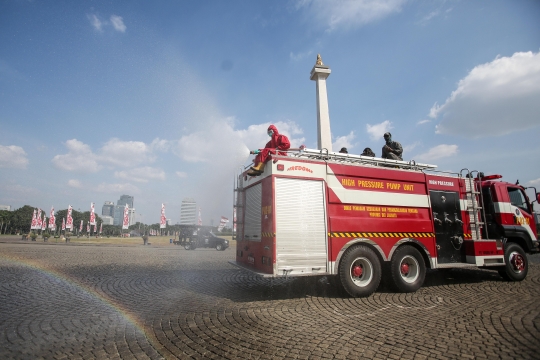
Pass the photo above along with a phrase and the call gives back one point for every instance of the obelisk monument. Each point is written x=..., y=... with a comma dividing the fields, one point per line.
x=319, y=73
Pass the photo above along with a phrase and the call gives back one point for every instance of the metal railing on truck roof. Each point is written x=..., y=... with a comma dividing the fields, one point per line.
x=326, y=155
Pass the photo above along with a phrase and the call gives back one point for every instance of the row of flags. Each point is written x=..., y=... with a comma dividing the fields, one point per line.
x=39, y=223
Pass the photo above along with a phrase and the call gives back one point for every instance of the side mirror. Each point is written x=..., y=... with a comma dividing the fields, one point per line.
x=538, y=197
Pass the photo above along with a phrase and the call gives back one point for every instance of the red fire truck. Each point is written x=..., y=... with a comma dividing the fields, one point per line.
x=359, y=218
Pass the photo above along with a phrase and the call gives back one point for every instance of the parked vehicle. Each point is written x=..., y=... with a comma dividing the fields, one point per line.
x=195, y=237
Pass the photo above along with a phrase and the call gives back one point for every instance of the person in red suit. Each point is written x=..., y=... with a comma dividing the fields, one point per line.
x=278, y=142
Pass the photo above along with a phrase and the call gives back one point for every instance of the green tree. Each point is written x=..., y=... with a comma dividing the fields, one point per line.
x=21, y=219
x=5, y=221
x=77, y=217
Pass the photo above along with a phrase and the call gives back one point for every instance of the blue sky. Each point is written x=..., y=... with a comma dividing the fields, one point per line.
x=163, y=100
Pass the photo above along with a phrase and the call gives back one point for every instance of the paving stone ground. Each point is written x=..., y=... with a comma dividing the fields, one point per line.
x=62, y=301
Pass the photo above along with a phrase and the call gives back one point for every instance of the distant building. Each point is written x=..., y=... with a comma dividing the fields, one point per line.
x=108, y=209
x=118, y=216
x=5, y=207
x=188, y=212
x=125, y=199
x=118, y=211
x=107, y=220
x=131, y=214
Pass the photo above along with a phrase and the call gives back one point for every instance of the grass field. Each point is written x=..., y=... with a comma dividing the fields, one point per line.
x=153, y=240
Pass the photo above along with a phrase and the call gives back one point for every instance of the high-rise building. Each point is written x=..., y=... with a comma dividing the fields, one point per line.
x=108, y=208
x=118, y=212
x=188, y=212
x=125, y=199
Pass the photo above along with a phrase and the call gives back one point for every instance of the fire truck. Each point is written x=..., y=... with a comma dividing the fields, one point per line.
x=358, y=219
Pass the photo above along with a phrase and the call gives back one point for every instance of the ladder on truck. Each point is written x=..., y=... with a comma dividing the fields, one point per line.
x=237, y=201
x=473, y=190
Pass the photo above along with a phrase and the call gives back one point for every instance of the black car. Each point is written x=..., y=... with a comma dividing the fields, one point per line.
x=194, y=238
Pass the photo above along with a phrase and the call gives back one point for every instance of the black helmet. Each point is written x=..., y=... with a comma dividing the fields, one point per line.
x=343, y=150
x=368, y=152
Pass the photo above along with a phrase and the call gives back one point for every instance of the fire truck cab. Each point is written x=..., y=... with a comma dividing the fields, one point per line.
x=358, y=218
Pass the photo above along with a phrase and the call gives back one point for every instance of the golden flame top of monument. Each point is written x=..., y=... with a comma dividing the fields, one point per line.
x=319, y=60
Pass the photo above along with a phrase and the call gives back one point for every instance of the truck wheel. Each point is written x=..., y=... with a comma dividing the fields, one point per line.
x=407, y=269
x=516, y=263
x=219, y=247
x=187, y=246
x=360, y=271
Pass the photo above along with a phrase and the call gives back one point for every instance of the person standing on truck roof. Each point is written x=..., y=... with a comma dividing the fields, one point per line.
x=343, y=150
x=392, y=149
x=277, y=142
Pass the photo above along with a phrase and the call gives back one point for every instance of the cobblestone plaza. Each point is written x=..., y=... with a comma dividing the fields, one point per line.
x=74, y=301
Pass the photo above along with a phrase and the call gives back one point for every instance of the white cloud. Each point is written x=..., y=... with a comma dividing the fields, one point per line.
x=421, y=122
x=79, y=158
x=13, y=156
x=437, y=152
x=12, y=192
x=333, y=14
x=377, y=131
x=535, y=182
x=221, y=141
x=495, y=98
x=181, y=174
x=344, y=141
x=299, y=56
x=410, y=147
x=141, y=174
x=126, y=153
x=118, y=23
x=115, y=152
x=160, y=145
x=125, y=188
x=95, y=22
x=75, y=184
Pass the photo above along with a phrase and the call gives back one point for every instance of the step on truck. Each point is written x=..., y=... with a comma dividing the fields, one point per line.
x=359, y=219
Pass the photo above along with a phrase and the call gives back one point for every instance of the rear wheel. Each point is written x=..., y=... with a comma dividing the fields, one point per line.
x=516, y=263
x=407, y=269
x=360, y=271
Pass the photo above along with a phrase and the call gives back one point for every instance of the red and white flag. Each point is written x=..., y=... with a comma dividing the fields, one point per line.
x=100, y=228
x=52, y=219
x=163, y=221
x=88, y=227
x=39, y=221
x=92, y=215
x=200, y=218
x=44, y=223
x=69, y=221
x=80, y=226
x=63, y=224
x=125, y=223
x=222, y=223
x=34, y=220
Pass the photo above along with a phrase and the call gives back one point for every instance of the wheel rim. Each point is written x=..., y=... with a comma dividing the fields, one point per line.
x=409, y=269
x=517, y=261
x=361, y=271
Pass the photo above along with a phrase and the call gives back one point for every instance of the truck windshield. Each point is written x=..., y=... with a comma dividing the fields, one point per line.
x=517, y=198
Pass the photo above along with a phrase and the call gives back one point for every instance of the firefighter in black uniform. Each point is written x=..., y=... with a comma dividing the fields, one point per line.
x=392, y=149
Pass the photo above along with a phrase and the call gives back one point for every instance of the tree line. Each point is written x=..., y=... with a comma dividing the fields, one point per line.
x=19, y=222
